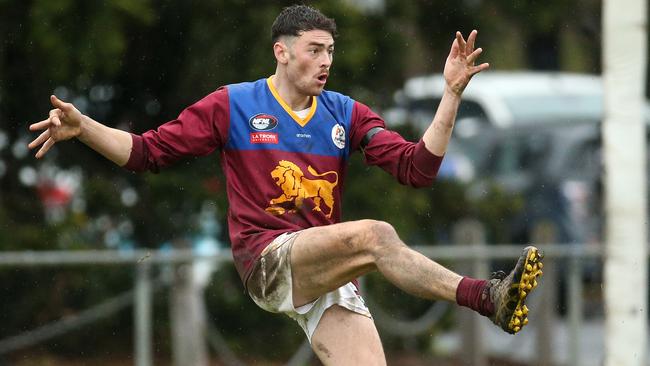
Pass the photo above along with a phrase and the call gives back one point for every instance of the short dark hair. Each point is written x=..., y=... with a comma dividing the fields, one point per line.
x=296, y=19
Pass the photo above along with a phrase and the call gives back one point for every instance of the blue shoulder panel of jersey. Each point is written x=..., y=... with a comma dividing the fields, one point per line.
x=339, y=107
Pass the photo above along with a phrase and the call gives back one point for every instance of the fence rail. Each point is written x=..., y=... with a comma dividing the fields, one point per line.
x=115, y=257
x=470, y=254
x=107, y=257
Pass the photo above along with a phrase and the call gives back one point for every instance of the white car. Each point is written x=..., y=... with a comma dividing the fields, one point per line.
x=499, y=99
x=536, y=135
x=503, y=98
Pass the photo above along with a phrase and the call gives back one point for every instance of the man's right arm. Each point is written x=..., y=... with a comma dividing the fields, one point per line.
x=66, y=122
x=198, y=130
x=113, y=144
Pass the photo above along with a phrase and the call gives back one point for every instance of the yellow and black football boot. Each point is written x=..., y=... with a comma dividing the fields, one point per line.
x=508, y=293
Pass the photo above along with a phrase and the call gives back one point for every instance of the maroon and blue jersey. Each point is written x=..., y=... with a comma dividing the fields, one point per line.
x=283, y=173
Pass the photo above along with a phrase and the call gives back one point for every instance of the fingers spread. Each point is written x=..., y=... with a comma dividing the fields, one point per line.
x=476, y=69
x=55, y=117
x=40, y=139
x=471, y=41
x=46, y=146
x=58, y=103
x=474, y=55
x=461, y=43
x=40, y=125
x=454, y=49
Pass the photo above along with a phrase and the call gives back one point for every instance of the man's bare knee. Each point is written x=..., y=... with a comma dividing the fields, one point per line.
x=378, y=237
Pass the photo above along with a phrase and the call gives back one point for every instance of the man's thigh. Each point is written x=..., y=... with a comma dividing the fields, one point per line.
x=325, y=258
x=347, y=338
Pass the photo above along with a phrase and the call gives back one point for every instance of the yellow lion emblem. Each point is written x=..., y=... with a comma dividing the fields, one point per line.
x=296, y=187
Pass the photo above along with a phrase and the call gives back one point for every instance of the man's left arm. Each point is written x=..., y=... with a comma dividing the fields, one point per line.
x=410, y=163
x=459, y=69
x=417, y=164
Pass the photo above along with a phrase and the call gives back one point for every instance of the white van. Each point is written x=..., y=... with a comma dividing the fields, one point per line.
x=503, y=98
x=534, y=135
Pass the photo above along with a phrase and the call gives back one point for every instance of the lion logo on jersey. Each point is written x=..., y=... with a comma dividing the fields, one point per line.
x=296, y=187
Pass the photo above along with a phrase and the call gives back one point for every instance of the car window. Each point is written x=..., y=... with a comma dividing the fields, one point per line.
x=585, y=160
x=517, y=153
x=428, y=107
x=546, y=107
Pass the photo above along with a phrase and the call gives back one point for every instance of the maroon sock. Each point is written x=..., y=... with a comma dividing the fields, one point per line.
x=471, y=293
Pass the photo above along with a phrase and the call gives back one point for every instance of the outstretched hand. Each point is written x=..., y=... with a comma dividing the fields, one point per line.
x=459, y=67
x=63, y=123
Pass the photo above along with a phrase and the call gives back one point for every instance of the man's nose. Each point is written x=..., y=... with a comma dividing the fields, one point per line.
x=326, y=59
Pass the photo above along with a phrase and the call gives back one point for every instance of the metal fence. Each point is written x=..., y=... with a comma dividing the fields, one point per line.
x=471, y=258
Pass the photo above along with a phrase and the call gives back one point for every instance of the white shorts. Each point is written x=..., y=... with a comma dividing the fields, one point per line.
x=269, y=285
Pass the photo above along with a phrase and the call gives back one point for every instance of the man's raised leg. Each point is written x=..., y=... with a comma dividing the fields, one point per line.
x=325, y=258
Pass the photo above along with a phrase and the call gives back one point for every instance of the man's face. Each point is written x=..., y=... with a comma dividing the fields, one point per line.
x=309, y=61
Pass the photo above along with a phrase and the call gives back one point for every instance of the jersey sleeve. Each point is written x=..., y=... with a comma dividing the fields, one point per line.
x=411, y=163
x=199, y=130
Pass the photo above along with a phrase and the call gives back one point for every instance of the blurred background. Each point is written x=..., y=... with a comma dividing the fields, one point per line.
x=524, y=165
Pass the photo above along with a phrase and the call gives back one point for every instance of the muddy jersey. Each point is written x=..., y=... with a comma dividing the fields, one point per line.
x=283, y=173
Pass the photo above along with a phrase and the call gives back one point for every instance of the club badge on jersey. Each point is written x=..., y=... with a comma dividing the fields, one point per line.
x=338, y=136
x=297, y=186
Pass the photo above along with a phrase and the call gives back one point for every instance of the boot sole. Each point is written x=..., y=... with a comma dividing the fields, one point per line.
x=532, y=270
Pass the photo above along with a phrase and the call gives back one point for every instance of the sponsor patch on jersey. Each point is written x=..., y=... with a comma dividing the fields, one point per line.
x=264, y=138
x=263, y=122
x=338, y=136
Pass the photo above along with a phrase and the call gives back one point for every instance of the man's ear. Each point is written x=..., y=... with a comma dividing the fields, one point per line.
x=281, y=52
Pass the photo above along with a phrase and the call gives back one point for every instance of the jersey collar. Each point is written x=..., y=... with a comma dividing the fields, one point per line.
x=301, y=121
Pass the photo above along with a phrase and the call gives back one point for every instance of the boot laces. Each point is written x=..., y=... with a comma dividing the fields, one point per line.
x=498, y=275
